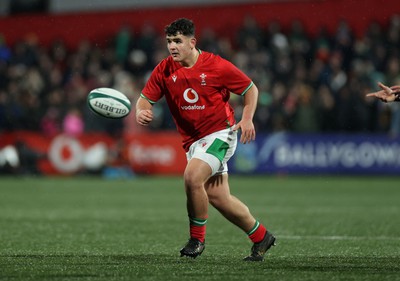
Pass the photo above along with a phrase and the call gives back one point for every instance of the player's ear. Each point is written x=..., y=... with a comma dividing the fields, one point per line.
x=193, y=42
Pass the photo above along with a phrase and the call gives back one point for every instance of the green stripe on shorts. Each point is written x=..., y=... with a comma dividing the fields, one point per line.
x=218, y=148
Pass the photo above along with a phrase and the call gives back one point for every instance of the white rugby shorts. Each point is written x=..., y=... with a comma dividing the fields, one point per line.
x=215, y=149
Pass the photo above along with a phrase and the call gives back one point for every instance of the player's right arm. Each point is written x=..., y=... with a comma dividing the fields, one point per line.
x=151, y=93
x=144, y=112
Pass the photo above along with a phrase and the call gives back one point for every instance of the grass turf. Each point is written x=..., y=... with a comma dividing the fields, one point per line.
x=327, y=228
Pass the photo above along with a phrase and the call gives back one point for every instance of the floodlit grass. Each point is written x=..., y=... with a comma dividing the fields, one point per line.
x=327, y=228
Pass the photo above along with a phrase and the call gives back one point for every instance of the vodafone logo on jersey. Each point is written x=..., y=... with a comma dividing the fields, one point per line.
x=191, y=96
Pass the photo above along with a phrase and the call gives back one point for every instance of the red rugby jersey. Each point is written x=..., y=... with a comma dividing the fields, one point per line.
x=198, y=96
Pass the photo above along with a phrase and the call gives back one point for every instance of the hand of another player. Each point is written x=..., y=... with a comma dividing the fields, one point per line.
x=144, y=117
x=387, y=94
x=247, y=129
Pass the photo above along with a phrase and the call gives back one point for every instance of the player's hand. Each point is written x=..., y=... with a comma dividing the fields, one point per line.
x=247, y=129
x=387, y=94
x=144, y=117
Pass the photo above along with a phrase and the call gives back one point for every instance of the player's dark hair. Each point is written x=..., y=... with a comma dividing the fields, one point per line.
x=180, y=26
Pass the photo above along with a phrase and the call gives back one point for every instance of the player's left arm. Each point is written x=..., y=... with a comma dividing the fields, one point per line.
x=246, y=125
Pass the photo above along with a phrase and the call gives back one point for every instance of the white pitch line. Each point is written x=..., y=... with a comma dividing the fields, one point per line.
x=317, y=237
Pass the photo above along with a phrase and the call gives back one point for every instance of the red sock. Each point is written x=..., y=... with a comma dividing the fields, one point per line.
x=198, y=229
x=257, y=233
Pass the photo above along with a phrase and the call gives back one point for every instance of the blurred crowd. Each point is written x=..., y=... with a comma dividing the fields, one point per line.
x=307, y=84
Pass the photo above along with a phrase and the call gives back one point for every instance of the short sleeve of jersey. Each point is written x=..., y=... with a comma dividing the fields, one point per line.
x=152, y=91
x=233, y=78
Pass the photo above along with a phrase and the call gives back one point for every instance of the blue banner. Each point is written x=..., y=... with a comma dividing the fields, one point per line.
x=284, y=153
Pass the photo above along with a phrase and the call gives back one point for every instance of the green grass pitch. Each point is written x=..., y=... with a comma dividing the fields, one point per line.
x=327, y=228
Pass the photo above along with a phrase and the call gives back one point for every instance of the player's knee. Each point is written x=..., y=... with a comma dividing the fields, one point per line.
x=193, y=180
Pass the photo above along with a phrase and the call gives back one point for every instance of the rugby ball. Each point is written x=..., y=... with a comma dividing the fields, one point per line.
x=109, y=103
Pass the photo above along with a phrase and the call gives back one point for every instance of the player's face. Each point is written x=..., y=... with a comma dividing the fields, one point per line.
x=180, y=47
